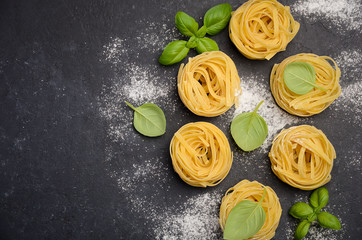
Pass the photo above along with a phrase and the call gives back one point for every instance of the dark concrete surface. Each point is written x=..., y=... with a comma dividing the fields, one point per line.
x=62, y=165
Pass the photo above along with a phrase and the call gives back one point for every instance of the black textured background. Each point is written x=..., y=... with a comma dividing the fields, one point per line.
x=58, y=163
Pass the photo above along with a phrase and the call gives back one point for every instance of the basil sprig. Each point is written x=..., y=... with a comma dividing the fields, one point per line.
x=312, y=212
x=300, y=77
x=245, y=220
x=149, y=119
x=249, y=130
x=215, y=20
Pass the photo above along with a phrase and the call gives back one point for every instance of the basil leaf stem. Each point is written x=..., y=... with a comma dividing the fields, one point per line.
x=201, y=32
x=192, y=43
x=186, y=24
x=149, y=119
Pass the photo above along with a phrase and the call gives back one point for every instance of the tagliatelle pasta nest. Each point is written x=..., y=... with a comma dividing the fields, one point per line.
x=314, y=101
x=209, y=84
x=201, y=154
x=302, y=157
x=253, y=191
x=262, y=28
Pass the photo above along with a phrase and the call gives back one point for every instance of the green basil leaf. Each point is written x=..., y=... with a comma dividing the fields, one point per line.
x=300, y=77
x=192, y=43
x=201, y=32
x=217, y=18
x=149, y=120
x=327, y=220
x=244, y=220
x=312, y=217
x=249, y=130
x=319, y=198
x=174, y=52
x=301, y=210
x=186, y=24
x=302, y=230
x=206, y=45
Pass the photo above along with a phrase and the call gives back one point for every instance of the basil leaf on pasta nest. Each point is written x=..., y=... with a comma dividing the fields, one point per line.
x=327, y=220
x=217, y=18
x=302, y=230
x=149, y=119
x=245, y=220
x=186, y=24
x=249, y=130
x=300, y=77
x=174, y=52
x=301, y=210
x=206, y=44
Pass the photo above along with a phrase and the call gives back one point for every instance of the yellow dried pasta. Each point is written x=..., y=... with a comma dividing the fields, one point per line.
x=209, y=84
x=262, y=28
x=302, y=157
x=253, y=191
x=201, y=154
x=314, y=101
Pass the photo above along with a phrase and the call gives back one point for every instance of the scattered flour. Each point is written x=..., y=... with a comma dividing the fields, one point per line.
x=342, y=14
x=198, y=218
x=350, y=63
x=138, y=82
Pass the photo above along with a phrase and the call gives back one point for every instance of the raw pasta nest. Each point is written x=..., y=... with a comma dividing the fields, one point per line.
x=314, y=101
x=302, y=157
x=262, y=28
x=246, y=190
x=201, y=154
x=209, y=84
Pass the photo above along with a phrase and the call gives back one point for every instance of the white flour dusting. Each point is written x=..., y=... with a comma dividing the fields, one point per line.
x=197, y=219
x=342, y=14
x=138, y=82
x=276, y=119
x=350, y=63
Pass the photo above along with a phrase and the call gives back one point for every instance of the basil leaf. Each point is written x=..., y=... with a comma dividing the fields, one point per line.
x=217, y=18
x=327, y=220
x=301, y=210
x=249, y=130
x=149, y=120
x=186, y=24
x=201, y=32
x=302, y=230
x=206, y=45
x=300, y=77
x=319, y=198
x=192, y=43
x=174, y=52
x=244, y=220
